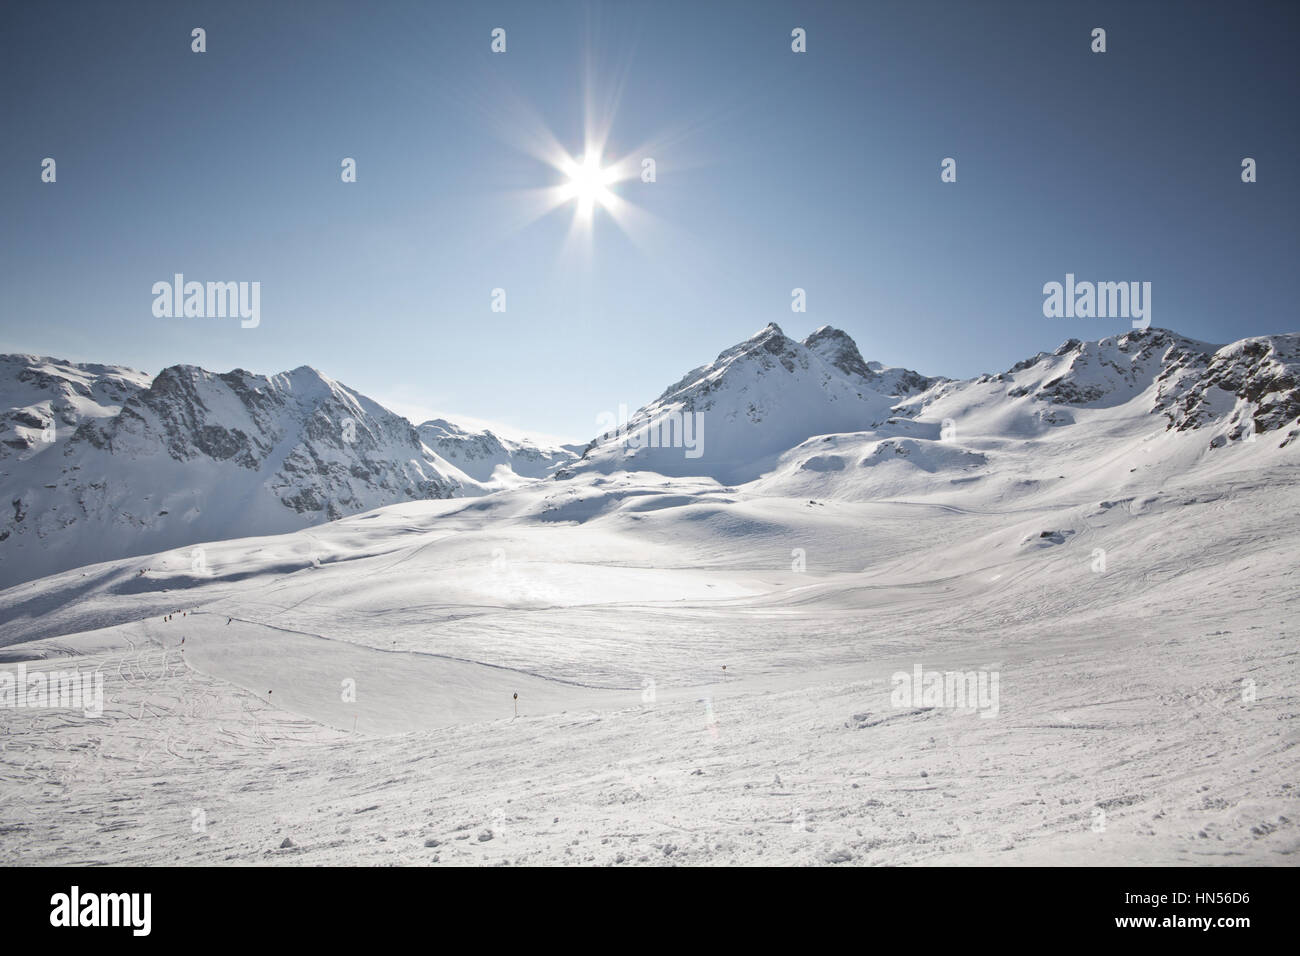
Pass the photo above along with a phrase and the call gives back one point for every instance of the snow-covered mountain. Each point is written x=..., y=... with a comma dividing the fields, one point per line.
x=730, y=419
x=1248, y=388
x=491, y=460
x=43, y=400
x=814, y=415
x=1253, y=385
x=1192, y=384
x=101, y=462
x=1096, y=528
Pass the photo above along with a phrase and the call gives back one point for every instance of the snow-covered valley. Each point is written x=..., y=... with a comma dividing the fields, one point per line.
x=1109, y=532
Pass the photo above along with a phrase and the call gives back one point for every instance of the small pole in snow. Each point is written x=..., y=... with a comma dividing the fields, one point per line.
x=516, y=703
x=724, y=671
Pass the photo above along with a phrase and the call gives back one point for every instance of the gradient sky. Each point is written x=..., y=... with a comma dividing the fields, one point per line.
x=775, y=170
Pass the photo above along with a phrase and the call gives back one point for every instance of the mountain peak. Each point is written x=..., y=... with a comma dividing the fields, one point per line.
x=767, y=334
x=838, y=348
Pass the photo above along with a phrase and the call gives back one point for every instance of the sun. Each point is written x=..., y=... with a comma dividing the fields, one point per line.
x=588, y=183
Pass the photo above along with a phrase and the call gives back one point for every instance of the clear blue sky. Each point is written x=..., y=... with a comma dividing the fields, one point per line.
x=775, y=170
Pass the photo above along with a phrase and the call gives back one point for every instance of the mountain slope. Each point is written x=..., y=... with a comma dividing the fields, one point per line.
x=814, y=418
x=730, y=419
x=492, y=461
x=42, y=400
x=134, y=466
x=609, y=604
x=1253, y=383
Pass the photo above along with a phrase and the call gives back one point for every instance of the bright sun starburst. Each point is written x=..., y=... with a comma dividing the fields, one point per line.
x=589, y=183
x=597, y=177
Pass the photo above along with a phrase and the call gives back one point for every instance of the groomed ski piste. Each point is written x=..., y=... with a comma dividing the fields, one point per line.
x=346, y=693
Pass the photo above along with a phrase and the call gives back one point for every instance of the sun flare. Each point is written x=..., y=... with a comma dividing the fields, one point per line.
x=588, y=184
